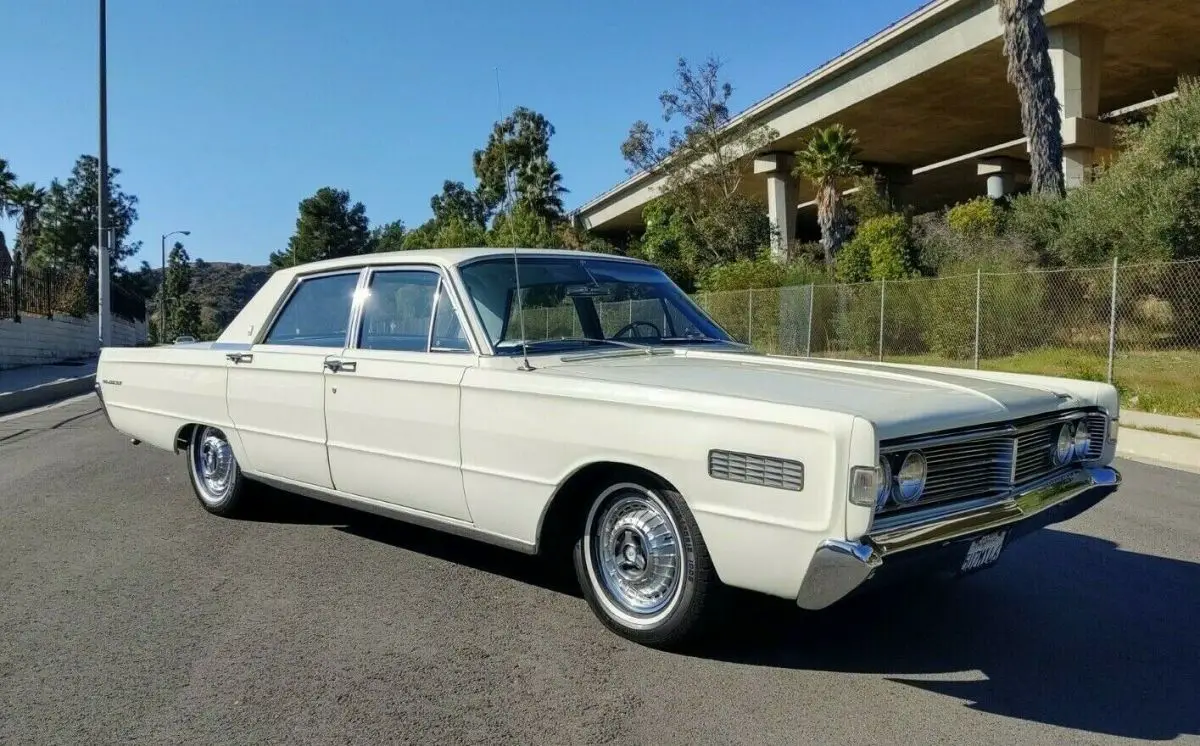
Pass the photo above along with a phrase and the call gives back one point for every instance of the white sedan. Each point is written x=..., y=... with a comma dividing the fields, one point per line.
x=580, y=406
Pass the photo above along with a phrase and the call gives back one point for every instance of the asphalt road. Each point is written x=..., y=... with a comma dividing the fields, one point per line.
x=127, y=614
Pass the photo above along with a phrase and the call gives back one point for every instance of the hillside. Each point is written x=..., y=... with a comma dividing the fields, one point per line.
x=221, y=289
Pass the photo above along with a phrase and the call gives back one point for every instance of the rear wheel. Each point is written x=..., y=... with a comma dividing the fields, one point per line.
x=216, y=477
x=643, y=566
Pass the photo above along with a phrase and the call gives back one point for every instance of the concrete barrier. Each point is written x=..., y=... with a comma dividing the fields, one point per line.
x=47, y=393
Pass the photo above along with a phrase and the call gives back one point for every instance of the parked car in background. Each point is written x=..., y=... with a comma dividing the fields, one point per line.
x=581, y=407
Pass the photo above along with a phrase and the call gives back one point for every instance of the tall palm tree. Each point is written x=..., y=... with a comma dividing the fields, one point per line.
x=8, y=182
x=539, y=186
x=1027, y=47
x=830, y=157
x=28, y=201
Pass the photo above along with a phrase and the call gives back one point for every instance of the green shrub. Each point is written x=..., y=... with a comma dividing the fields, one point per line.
x=880, y=250
x=979, y=218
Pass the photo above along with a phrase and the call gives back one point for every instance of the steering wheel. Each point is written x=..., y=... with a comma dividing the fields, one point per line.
x=632, y=327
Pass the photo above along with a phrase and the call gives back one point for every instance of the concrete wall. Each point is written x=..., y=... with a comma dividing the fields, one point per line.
x=37, y=340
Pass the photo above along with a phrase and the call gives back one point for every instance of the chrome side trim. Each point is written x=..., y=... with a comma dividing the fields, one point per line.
x=837, y=568
x=387, y=510
x=967, y=519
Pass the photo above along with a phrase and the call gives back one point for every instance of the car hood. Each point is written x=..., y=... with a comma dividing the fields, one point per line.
x=900, y=400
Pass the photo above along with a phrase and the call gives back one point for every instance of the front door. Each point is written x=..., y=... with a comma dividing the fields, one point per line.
x=276, y=389
x=392, y=402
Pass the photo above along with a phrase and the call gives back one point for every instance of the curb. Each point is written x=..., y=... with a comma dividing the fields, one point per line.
x=47, y=393
x=1159, y=449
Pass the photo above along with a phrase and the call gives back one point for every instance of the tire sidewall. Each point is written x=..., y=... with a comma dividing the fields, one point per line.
x=228, y=503
x=681, y=619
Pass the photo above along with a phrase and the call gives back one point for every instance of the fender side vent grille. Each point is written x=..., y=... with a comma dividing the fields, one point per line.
x=748, y=468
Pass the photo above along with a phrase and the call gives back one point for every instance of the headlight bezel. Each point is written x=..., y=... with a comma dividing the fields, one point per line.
x=910, y=488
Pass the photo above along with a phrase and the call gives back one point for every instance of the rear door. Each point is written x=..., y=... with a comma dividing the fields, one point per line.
x=392, y=402
x=276, y=389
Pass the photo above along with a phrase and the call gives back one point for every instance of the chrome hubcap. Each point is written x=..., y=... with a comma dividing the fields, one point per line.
x=636, y=554
x=214, y=464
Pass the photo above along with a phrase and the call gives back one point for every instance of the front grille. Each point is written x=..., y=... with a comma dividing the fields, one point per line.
x=992, y=461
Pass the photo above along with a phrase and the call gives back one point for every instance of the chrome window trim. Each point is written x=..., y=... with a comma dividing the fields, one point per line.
x=352, y=341
x=286, y=297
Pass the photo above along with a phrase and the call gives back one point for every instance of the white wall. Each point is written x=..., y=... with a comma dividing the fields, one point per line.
x=37, y=340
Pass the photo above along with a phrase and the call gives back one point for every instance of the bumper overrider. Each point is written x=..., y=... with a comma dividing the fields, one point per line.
x=939, y=540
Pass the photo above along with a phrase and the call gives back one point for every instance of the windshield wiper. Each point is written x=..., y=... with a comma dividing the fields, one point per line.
x=618, y=343
x=702, y=338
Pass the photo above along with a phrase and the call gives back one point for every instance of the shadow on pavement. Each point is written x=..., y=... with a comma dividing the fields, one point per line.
x=1067, y=630
x=276, y=506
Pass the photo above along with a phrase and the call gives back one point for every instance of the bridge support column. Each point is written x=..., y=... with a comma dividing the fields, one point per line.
x=1077, y=55
x=781, y=200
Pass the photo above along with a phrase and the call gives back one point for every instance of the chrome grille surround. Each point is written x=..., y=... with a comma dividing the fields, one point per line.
x=992, y=461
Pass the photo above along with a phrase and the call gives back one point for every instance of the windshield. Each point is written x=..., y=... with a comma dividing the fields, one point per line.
x=570, y=302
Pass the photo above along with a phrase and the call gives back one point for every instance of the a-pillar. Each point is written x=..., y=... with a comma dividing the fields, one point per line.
x=1077, y=56
x=781, y=200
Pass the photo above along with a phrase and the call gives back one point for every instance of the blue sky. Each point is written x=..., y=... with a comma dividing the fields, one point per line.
x=224, y=114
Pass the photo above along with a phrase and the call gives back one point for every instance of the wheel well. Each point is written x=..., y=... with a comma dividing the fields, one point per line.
x=184, y=437
x=569, y=506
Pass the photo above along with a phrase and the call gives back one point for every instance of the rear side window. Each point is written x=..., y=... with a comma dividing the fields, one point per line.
x=317, y=314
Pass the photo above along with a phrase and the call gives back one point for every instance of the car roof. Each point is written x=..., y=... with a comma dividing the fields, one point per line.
x=444, y=258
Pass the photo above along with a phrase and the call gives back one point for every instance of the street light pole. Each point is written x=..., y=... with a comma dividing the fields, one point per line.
x=102, y=244
x=162, y=286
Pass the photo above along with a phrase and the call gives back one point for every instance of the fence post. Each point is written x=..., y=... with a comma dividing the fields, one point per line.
x=978, y=293
x=812, y=290
x=1112, y=322
x=882, y=298
x=750, y=320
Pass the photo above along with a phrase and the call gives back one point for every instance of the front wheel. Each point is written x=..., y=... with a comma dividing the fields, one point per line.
x=643, y=566
x=216, y=477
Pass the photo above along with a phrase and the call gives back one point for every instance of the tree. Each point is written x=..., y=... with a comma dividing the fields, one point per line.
x=28, y=201
x=516, y=141
x=8, y=182
x=703, y=164
x=178, y=286
x=389, y=236
x=829, y=157
x=458, y=202
x=524, y=227
x=66, y=237
x=540, y=189
x=1027, y=47
x=328, y=226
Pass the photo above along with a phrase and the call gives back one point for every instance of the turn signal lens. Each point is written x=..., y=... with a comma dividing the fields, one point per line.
x=864, y=485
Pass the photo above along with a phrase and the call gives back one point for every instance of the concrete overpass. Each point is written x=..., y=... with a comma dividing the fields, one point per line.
x=933, y=109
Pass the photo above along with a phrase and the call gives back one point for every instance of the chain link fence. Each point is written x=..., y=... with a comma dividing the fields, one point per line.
x=1135, y=325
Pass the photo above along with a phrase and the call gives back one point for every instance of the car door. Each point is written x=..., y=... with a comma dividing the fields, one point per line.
x=392, y=400
x=276, y=388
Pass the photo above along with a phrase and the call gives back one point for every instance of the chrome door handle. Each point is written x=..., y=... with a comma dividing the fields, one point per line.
x=340, y=366
x=239, y=357
x=333, y=365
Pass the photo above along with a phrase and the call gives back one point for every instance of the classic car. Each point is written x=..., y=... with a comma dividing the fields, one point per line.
x=583, y=408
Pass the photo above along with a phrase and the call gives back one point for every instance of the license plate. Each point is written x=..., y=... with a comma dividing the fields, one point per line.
x=983, y=551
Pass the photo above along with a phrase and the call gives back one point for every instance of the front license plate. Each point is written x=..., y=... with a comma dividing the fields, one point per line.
x=983, y=551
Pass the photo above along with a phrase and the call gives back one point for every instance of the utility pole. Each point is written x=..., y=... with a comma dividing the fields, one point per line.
x=103, y=279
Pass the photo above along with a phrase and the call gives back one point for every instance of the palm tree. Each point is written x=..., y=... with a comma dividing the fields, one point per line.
x=1027, y=47
x=539, y=187
x=829, y=158
x=28, y=201
x=8, y=182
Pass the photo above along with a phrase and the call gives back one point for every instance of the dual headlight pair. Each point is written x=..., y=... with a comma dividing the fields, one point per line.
x=874, y=487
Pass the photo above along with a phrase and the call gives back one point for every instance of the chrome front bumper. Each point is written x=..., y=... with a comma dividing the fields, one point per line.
x=840, y=567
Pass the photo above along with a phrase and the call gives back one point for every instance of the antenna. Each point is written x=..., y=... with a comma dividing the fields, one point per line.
x=508, y=190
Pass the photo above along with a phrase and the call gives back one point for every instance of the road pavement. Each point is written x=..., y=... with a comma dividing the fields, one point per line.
x=130, y=615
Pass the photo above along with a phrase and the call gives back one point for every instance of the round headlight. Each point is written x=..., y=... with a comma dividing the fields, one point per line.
x=1064, y=446
x=885, y=483
x=1083, y=441
x=911, y=479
